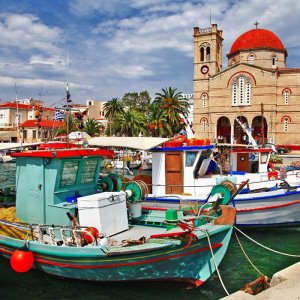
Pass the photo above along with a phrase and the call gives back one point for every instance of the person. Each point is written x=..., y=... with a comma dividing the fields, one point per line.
x=270, y=166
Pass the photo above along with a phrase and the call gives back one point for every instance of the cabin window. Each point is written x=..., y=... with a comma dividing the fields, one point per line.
x=264, y=157
x=69, y=173
x=88, y=171
x=190, y=158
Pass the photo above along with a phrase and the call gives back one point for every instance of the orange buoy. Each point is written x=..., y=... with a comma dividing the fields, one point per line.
x=91, y=234
x=22, y=260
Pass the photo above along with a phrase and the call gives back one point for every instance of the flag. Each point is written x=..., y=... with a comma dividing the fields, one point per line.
x=59, y=115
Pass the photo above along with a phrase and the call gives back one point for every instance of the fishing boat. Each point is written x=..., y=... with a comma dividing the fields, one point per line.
x=187, y=169
x=71, y=225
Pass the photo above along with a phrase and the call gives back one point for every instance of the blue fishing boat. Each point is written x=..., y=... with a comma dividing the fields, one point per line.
x=72, y=225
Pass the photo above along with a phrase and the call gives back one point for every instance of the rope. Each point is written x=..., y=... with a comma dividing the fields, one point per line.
x=251, y=263
x=213, y=257
x=263, y=246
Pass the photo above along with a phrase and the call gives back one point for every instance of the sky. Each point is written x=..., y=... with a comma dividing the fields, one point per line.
x=106, y=48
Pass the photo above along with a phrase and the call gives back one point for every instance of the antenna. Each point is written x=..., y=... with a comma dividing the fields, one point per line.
x=210, y=16
x=40, y=93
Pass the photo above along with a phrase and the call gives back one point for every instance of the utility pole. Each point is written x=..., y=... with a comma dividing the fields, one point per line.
x=262, y=125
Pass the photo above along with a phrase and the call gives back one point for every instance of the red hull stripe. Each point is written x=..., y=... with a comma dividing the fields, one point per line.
x=268, y=207
x=107, y=266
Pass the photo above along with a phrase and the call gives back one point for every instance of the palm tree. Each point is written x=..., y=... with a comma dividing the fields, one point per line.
x=69, y=126
x=173, y=104
x=158, y=124
x=92, y=127
x=130, y=123
x=112, y=109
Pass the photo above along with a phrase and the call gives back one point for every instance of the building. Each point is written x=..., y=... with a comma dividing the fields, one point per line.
x=14, y=113
x=256, y=91
x=96, y=111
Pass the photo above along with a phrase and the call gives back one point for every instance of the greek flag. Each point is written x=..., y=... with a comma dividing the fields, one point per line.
x=59, y=115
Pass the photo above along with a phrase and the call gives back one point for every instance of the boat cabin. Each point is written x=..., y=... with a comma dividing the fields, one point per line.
x=196, y=169
x=48, y=182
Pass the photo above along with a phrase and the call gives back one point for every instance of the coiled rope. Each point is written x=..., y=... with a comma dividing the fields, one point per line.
x=213, y=257
x=263, y=246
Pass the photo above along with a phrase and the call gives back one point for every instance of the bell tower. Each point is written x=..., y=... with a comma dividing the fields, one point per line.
x=207, y=52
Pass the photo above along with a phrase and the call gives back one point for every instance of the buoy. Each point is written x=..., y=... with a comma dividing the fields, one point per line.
x=22, y=260
x=91, y=234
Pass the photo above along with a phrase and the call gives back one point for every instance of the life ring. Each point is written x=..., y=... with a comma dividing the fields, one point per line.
x=179, y=139
x=298, y=174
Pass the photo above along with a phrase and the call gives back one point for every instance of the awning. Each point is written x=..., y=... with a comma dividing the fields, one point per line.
x=7, y=146
x=140, y=143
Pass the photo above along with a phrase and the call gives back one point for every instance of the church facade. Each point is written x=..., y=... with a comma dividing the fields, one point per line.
x=256, y=91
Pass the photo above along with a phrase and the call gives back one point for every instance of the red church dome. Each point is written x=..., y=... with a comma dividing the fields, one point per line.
x=257, y=39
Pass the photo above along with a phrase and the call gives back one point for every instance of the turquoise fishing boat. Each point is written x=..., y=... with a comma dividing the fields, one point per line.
x=71, y=224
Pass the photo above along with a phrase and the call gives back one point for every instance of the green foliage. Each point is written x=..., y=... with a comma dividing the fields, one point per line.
x=138, y=101
x=130, y=123
x=93, y=127
x=172, y=103
x=276, y=159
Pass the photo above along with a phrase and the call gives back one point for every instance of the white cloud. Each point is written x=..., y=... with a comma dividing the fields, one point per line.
x=26, y=32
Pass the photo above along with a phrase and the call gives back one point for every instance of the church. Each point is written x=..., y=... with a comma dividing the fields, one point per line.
x=256, y=91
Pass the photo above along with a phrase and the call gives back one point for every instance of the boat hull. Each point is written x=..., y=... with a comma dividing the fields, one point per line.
x=193, y=264
x=274, y=208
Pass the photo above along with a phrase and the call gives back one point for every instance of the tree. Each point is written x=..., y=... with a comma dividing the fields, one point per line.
x=130, y=123
x=92, y=127
x=71, y=125
x=172, y=103
x=112, y=109
x=138, y=101
x=158, y=121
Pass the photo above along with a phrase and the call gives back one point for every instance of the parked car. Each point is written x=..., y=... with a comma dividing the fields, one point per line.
x=278, y=150
x=282, y=150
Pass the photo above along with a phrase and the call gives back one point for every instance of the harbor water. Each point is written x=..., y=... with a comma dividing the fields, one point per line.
x=235, y=271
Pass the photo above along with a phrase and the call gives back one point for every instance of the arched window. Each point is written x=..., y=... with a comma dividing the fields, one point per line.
x=208, y=54
x=251, y=59
x=204, y=100
x=241, y=89
x=248, y=93
x=286, y=96
x=274, y=61
x=204, y=123
x=241, y=92
x=202, y=54
x=234, y=94
x=285, y=124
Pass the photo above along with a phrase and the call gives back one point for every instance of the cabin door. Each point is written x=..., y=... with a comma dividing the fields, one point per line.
x=174, y=173
x=243, y=162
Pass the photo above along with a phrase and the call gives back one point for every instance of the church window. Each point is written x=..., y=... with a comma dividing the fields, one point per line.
x=286, y=95
x=202, y=54
x=208, y=54
x=248, y=93
x=234, y=94
x=241, y=92
x=285, y=124
x=251, y=59
x=274, y=61
x=204, y=124
x=204, y=100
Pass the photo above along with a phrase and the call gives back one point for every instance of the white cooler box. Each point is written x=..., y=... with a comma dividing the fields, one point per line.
x=105, y=211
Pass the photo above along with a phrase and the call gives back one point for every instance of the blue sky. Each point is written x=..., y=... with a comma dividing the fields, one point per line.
x=124, y=46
